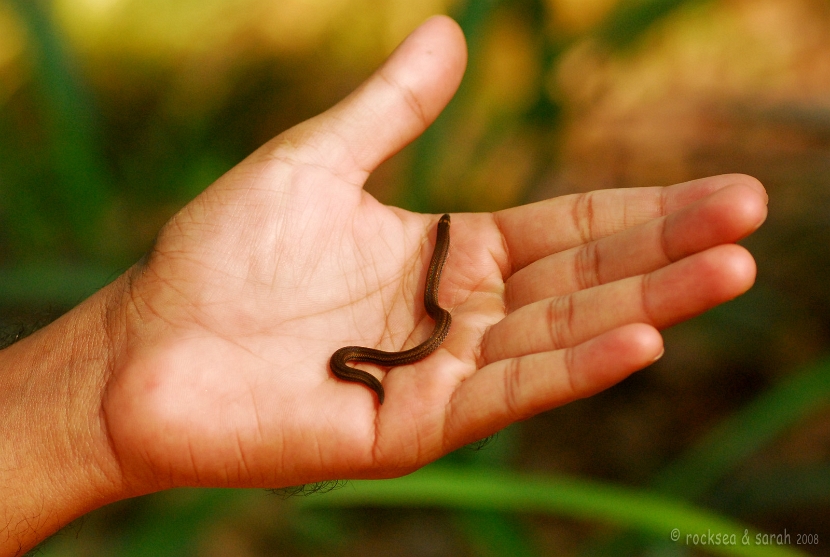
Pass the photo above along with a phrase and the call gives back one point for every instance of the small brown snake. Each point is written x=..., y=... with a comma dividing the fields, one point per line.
x=390, y=359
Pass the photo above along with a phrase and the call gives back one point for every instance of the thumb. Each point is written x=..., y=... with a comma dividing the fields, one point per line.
x=390, y=109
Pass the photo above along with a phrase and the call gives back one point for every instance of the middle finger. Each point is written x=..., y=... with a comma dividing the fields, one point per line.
x=661, y=298
x=726, y=216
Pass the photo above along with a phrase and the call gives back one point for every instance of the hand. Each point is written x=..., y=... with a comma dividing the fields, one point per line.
x=251, y=288
x=217, y=343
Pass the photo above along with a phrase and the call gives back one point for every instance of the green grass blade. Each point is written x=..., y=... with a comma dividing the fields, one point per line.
x=736, y=438
x=437, y=486
x=70, y=120
x=493, y=534
x=733, y=441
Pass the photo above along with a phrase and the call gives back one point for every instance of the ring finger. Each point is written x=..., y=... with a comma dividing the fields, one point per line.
x=722, y=217
x=660, y=298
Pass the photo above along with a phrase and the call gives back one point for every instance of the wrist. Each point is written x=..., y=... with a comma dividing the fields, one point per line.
x=55, y=457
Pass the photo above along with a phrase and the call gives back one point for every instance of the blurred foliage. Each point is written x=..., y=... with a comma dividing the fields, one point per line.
x=114, y=113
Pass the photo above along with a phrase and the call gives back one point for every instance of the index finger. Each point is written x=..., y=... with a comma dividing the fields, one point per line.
x=537, y=230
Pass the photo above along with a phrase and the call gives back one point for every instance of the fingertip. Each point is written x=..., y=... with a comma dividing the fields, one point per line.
x=735, y=271
x=746, y=207
x=447, y=27
x=614, y=355
x=685, y=193
x=749, y=182
x=698, y=283
x=641, y=343
x=429, y=62
x=647, y=338
x=387, y=111
x=404, y=96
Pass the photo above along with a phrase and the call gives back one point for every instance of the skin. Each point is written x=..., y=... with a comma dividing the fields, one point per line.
x=206, y=363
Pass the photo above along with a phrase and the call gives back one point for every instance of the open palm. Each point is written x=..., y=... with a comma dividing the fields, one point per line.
x=249, y=290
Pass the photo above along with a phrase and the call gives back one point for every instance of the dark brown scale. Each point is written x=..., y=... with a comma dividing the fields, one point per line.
x=391, y=359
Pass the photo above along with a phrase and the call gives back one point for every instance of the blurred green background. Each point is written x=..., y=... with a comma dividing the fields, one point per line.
x=114, y=113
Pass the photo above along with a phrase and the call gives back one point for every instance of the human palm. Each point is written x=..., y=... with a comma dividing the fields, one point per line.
x=247, y=292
